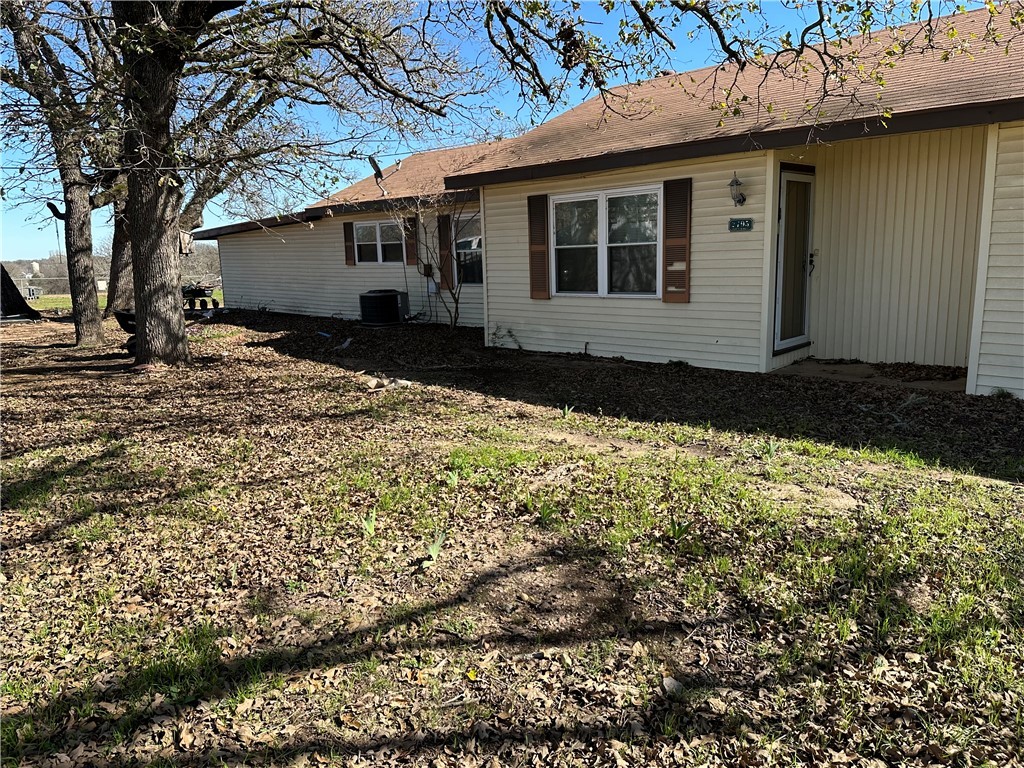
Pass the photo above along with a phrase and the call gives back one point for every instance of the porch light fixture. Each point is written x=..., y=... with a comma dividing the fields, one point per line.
x=738, y=198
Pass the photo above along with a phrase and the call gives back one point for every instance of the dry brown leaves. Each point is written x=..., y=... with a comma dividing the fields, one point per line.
x=186, y=579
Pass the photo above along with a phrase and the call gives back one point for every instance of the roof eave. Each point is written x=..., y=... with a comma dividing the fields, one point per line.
x=909, y=122
x=446, y=197
x=336, y=209
x=299, y=217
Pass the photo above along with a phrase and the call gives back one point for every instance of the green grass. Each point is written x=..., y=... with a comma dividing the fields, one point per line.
x=62, y=301
x=183, y=667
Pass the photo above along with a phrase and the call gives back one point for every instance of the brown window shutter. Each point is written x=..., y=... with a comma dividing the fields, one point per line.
x=411, y=255
x=678, y=201
x=350, y=244
x=537, y=211
x=444, y=249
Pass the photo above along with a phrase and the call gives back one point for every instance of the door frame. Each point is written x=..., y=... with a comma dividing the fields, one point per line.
x=779, y=346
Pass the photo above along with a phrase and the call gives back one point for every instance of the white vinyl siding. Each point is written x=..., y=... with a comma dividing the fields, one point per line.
x=1000, y=353
x=896, y=230
x=471, y=297
x=720, y=327
x=471, y=306
x=301, y=269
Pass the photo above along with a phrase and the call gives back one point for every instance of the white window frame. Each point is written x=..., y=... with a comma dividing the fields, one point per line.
x=455, y=247
x=602, y=196
x=379, y=244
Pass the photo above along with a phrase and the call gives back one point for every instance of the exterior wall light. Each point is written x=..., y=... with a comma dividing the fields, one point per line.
x=738, y=198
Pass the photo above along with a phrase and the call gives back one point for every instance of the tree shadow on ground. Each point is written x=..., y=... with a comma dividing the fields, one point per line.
x=143, y=698
x=89, y=364
x=42, y=480
x=967, y=433
x=109, y=473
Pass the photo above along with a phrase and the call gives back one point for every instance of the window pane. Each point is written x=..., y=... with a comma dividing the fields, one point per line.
x=390, y=233
x=576, y=270
x=467, y=228
x=576, y=223
x=393, y=251
x=471, y=267
x=633, y=269
x=366, y=252
x=633, y=218
x=468, y=255
x=366, y=233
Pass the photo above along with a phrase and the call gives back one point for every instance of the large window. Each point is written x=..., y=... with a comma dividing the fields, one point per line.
x=607, y=243
x=379, y=242
x=468, y=249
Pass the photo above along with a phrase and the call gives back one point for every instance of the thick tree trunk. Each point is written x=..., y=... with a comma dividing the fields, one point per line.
x=155, y=40
x=156, y=270
x=85, y=305
x=153, y=64
x=121, y=288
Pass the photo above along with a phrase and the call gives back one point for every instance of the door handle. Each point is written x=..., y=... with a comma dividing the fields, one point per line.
x=810, y=263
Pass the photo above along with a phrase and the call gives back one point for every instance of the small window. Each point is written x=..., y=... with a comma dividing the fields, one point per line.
x=366, y=243
x=576, y=230
x=633, y=243
x=469, y=250
x=379, y=242
x=607, y=243
x=391, y=243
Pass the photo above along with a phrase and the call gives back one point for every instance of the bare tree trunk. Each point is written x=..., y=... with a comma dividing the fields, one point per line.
x=85, y=304
x=48, y=87
x=156, y=272
x=121, y=289
x=153, y=70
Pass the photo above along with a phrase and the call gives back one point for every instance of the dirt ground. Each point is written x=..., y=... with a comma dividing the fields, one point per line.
x=930, y=377
x=322, y=544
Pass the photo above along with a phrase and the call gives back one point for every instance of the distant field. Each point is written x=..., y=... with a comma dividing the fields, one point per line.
x=63, y=300
x=58, y=301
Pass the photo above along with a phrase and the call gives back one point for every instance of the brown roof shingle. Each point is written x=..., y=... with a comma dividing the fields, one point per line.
x=677, y=110
x=422, y=175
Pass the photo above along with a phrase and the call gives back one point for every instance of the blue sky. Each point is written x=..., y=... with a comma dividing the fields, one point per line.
x=26, y=233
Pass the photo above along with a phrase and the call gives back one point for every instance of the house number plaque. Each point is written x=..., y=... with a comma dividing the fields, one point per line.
x=741, y=225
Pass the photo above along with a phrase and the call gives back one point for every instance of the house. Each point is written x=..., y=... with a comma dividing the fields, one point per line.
x=662, y=230
x=884, y=240
x=399, y=230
